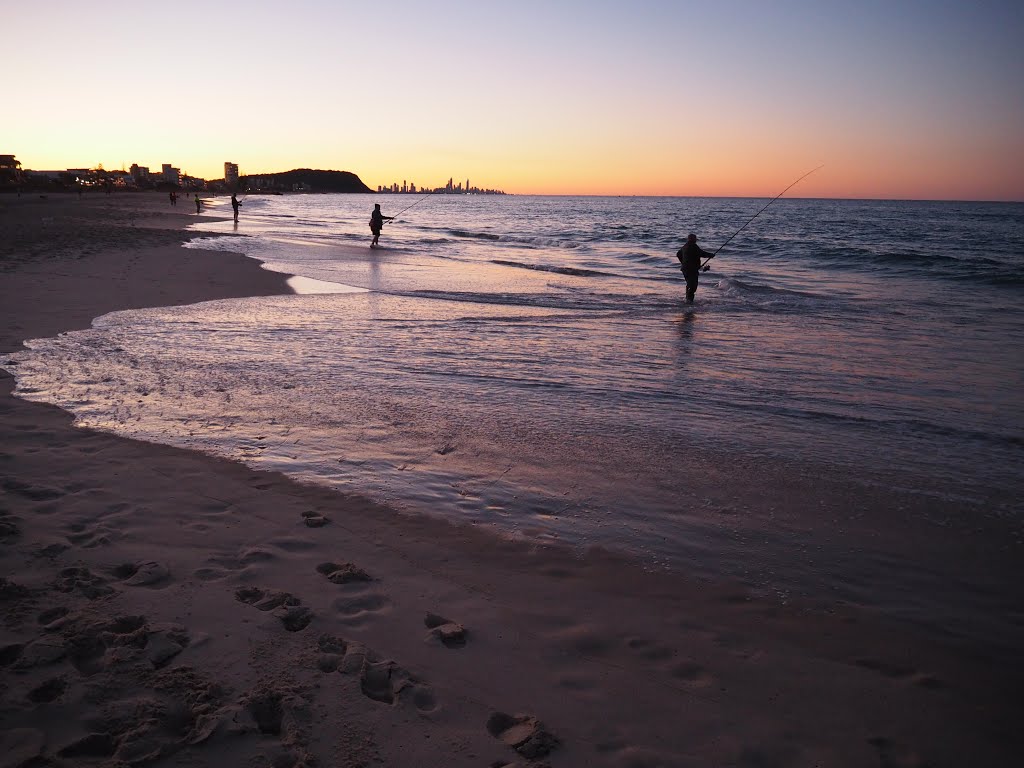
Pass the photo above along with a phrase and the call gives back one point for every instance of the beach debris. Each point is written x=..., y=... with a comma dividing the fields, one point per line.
x=524, y=733
x=343, y=573
x=450, y=633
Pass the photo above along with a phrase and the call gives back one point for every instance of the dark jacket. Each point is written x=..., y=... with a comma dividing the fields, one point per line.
x=690, y=256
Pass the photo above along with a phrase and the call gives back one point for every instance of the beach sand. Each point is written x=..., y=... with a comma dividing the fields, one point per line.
x=162, y=607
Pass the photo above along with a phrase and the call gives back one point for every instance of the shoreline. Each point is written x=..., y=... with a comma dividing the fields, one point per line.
x=623, y=666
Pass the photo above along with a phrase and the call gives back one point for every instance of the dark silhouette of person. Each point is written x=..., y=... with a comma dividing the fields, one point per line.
x=235, y=204
x=174, y=197
x=377, y=220
x=690, y=257
x=199, y=204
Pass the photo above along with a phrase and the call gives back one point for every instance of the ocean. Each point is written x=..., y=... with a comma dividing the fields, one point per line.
x=528, y=364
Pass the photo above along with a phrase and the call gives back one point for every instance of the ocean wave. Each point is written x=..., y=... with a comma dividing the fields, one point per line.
x=732, y=286
x=904, y=426
x=930, y=265
x=473, y=235
x=568, y=300
x=579, y=272
x=532, y=241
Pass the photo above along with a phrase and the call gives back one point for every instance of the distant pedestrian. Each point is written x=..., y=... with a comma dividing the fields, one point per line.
x=235, y=204
x=199, y=204
x=690, y=257
x=174, y=198
x=377, y=220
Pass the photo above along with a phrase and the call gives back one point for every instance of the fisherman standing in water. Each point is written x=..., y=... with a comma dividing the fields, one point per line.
x=377, y=220
x=690, y=256
x=235, y=204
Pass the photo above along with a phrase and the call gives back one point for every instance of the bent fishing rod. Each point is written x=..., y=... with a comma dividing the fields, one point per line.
x=704, y=266
x=428, y=194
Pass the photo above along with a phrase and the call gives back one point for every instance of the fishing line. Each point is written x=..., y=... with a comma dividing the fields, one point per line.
x=709, y=258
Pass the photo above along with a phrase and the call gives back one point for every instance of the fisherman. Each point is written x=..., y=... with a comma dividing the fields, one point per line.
x=377, y=220
x=199, y=204
x=235, y=204
x=690, y=257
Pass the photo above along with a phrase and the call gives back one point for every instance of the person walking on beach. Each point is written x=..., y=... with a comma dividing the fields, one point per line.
x=199, y=204
x=235, y=204
x=690, y=257
x=174, y=198
x=377, y=220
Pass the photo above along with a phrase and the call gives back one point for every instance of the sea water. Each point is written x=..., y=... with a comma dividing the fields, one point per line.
x=529, y=364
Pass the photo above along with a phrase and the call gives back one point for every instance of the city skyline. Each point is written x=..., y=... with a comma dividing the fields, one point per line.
x=914, y=100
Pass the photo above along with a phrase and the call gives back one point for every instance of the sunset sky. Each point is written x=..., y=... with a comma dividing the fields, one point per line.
x=898, y=99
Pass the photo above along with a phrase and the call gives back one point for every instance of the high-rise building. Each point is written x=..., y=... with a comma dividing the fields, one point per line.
x=171, y=175
x=231, y=174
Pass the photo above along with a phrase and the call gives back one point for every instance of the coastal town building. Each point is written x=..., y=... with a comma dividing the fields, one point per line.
x=231, y=175
x=170, y=175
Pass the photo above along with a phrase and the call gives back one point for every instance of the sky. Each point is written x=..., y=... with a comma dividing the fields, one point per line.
x=897, y=99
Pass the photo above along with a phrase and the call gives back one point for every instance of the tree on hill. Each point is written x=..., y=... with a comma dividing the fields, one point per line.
x=305, y=179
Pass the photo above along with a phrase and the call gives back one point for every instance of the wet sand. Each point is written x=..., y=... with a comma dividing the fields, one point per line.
x=162, y=607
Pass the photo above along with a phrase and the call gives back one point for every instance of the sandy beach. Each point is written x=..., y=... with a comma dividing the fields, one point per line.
x=163, y=607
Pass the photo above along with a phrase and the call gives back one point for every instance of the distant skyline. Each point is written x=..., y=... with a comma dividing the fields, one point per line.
x=912, y=99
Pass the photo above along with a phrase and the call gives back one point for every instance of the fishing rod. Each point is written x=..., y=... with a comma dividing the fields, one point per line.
x=410, y=206
x=704, y=266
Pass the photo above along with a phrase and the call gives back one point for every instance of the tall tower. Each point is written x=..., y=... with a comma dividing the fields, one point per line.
x=231, y=175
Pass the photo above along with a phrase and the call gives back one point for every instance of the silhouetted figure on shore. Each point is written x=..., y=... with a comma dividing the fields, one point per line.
x=690, y=257
x=199, y=204
x=174, y=197
x=377, y=220
x=235, y=205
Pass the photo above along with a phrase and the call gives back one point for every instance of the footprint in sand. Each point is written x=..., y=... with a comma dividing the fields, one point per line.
x=89, y=537
x=343, y=573
x=524, y=733
x=222, y=566
x=9, y=528
x=49, y=691
x=284, y=605
x=893, y=755
x=355, y=609
x=97, y=645
x=900, y=672
x=315, y=519
x=79, y=579
x=380, y=679
x=31, y=492
x=450, y=633
x=144, y=574
x=650, y=651
x=692, y=673
x=53, y=618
